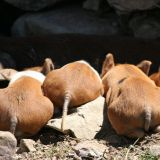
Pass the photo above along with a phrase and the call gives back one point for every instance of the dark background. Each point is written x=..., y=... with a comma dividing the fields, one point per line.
x=66, y=47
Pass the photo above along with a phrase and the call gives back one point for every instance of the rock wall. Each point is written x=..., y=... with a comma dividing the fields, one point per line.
x=32, y=5
x=98, y=17
x=127, y=6
x=82, y=29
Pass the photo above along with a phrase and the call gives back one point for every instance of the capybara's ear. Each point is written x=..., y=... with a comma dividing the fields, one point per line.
x=145, y=66
x=47, y=66
x=108, y=63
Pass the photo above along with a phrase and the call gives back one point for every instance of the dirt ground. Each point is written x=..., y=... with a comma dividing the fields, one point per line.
x=107, y=145
x=53, y=145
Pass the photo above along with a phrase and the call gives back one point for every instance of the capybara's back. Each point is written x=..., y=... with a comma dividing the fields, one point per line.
x=77, y=79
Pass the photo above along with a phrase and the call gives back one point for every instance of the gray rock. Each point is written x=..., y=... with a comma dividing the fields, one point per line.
x=26, y=145
x=6, y=157
x=126, y=6
x=92, y=149
x=8, y=145
x=72, y=19
x=32, y=5
x=6, y=60
x=145, y=26
x=155, y=150
x=92, y=4
x=86, y=122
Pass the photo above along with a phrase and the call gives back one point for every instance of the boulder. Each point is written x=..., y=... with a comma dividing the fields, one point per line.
x=92, y=4
x=90, y=149
x=86, y=122
x=145, y=26
x=32, y=5
x=155, y=150
x=127, y=6
x=8, y=145
x=67, y=19
x=6, y=60
x=26, y=145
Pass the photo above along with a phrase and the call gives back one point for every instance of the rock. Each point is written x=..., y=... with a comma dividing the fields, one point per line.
x=127, y=6
x=8, y=145
x=92, y=4
x=32, y=5
x=155, y=150
x=69, y=19
x=6, y=61
x=92, y=149
x=144, y=26
x=86, y=122
x=7, y=157
x=26, y=145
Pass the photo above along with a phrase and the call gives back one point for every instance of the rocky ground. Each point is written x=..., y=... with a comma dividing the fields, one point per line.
x=52, y=145
x=96, y=143
x=109, y=18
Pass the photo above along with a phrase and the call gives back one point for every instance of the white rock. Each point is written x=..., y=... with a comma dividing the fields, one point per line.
x=155, y=150
x=86, y=122
x=26, y=145
x=90, y=148
x=8, y=144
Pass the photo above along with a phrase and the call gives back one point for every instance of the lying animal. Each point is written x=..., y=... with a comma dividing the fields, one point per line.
x=132, y=99
x=44, y=69
x=72, y=85
x=24, y=110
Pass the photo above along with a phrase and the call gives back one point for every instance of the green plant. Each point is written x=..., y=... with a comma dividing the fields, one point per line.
x=148, y=156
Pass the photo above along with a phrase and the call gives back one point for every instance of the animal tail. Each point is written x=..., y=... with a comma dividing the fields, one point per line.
x=67, y=100
x=13, y=124
x=147, y=119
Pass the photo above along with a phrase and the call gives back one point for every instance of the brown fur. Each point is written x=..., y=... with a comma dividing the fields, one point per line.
x=132, y=100
x=156, y=78
x=37, y=69
x=24, y=110
x=72, y=85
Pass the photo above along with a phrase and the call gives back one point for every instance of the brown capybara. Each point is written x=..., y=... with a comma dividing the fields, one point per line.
x=156, y=77
x=24, y=109
x=132, y=99
x=72, y=85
